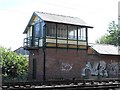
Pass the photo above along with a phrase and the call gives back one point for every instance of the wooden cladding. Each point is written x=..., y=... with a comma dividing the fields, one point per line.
x=64, y=43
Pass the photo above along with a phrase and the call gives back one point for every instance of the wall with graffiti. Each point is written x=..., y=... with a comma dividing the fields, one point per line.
x=66, y=67
x=73, y=64
x=101, y=68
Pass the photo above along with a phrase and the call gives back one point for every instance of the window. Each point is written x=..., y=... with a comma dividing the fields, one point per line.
x=51, y=29
x=29, y=32
x=72, y=36
x=67, y=36
x=62, y=31
x=61, y=35
x=81, y=33
x=37, y=30
x=72, y=32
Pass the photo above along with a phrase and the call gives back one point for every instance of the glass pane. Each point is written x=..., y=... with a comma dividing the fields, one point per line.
x=81, y=33
x=29, y=32
x=62, y=31
x=37, y=30
x=51, y=29
x=72, y=32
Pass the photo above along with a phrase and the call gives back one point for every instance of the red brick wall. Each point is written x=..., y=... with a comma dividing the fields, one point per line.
x=72, y=63
x=38, y=55
x=63, y=63
x=103, y=66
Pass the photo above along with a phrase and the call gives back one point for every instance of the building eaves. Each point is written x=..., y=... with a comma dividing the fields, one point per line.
x=58, y=19
x=105, y=49
x=62, y=19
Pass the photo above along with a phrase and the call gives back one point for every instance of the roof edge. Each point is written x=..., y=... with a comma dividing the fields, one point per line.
x=89, y=26
x=35, y=14
x=25, y=31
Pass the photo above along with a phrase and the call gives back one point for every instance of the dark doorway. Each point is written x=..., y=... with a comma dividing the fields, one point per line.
x=34, y=68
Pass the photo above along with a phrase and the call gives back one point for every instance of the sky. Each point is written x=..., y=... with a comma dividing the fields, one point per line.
x=15, y=15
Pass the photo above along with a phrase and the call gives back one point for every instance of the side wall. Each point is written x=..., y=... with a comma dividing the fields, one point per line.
x=64, y=63
x=102, y=66
x=72, y=64
x=36, y=65
x=60, y=63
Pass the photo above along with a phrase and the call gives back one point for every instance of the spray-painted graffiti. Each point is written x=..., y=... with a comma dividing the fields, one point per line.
x=66, y=66
x=113, y=68
x=102, y=68
x=98, y=68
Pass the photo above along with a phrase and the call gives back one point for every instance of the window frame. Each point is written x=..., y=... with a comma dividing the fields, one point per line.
x=79, y=31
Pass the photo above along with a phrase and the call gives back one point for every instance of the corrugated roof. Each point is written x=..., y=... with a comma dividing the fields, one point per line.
x=105, y=49
x=61, y=19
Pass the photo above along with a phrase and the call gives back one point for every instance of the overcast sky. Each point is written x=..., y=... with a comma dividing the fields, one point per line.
x=15, y=15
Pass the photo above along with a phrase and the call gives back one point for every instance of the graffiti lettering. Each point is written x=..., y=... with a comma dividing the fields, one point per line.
x=102, y=69
x=113, y=68
x=98, y=68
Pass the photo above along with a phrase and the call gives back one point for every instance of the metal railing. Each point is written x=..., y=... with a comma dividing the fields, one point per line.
x=31, y=42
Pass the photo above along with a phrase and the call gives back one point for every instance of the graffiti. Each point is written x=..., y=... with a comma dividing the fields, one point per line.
x=89, y=67
x=66, y=67
x=102, y=69
x=98, y=68
x=113, y=68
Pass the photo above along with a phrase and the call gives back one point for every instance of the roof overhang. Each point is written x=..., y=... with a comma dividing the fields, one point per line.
x=47, y=17
x=105, y=49
x=34, y=15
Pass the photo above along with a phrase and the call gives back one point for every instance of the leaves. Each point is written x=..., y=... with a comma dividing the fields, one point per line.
x=13, y=66
x=112, y=37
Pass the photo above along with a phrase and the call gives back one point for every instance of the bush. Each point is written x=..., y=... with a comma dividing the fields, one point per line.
x=14, y=67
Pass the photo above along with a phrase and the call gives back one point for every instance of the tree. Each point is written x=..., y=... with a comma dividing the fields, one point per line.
x=14, y=67
x=112, y=37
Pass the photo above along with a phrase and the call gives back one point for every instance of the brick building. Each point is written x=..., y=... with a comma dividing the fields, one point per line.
x=58, y=48
x=103, y=61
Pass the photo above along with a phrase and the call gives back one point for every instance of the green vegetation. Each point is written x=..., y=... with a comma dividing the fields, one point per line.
x=14, y=67
x=112, y=37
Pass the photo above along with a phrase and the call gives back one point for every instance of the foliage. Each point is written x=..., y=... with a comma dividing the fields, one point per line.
x=112, y=37
x=14, y=67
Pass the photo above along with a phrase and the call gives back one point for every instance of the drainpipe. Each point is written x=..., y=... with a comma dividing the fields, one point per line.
x=44, y=53
x=44, y=61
